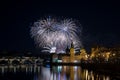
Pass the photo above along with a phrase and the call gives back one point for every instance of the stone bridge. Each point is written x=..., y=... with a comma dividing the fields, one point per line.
x=21, y=60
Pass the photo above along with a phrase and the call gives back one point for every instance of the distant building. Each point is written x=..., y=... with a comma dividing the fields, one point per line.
x=70, y=56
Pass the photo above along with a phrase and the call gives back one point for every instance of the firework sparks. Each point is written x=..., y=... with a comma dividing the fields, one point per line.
x=56, y=35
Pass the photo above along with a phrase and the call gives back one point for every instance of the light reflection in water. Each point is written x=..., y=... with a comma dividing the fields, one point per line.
x=55, y=73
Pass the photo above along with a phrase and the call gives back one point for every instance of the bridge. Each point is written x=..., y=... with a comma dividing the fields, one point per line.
x=20, y=60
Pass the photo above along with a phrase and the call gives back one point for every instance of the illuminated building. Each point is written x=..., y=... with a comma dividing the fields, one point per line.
x=72, y=58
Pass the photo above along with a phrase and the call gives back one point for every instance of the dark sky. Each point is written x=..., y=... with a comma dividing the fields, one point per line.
x=100, y=21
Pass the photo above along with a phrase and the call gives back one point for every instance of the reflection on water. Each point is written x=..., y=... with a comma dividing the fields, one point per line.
x=18, y=68
x=46, y=73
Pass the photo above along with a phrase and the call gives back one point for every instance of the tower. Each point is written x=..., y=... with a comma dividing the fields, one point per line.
x=67, y=50
x=72, y=53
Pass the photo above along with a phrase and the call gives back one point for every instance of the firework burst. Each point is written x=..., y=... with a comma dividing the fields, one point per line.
x=57, y=35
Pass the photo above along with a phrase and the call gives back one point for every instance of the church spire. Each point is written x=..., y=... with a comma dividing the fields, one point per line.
x=72, y=45
x=67, y=50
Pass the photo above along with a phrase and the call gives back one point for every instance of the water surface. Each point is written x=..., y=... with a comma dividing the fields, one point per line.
x=23, y=72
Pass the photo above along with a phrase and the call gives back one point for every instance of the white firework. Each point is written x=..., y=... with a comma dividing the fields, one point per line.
x=52, y=34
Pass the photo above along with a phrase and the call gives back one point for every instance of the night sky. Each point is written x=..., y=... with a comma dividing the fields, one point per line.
x=100, y=21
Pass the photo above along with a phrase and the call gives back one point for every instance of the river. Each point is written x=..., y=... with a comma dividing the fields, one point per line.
x=24, y=72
